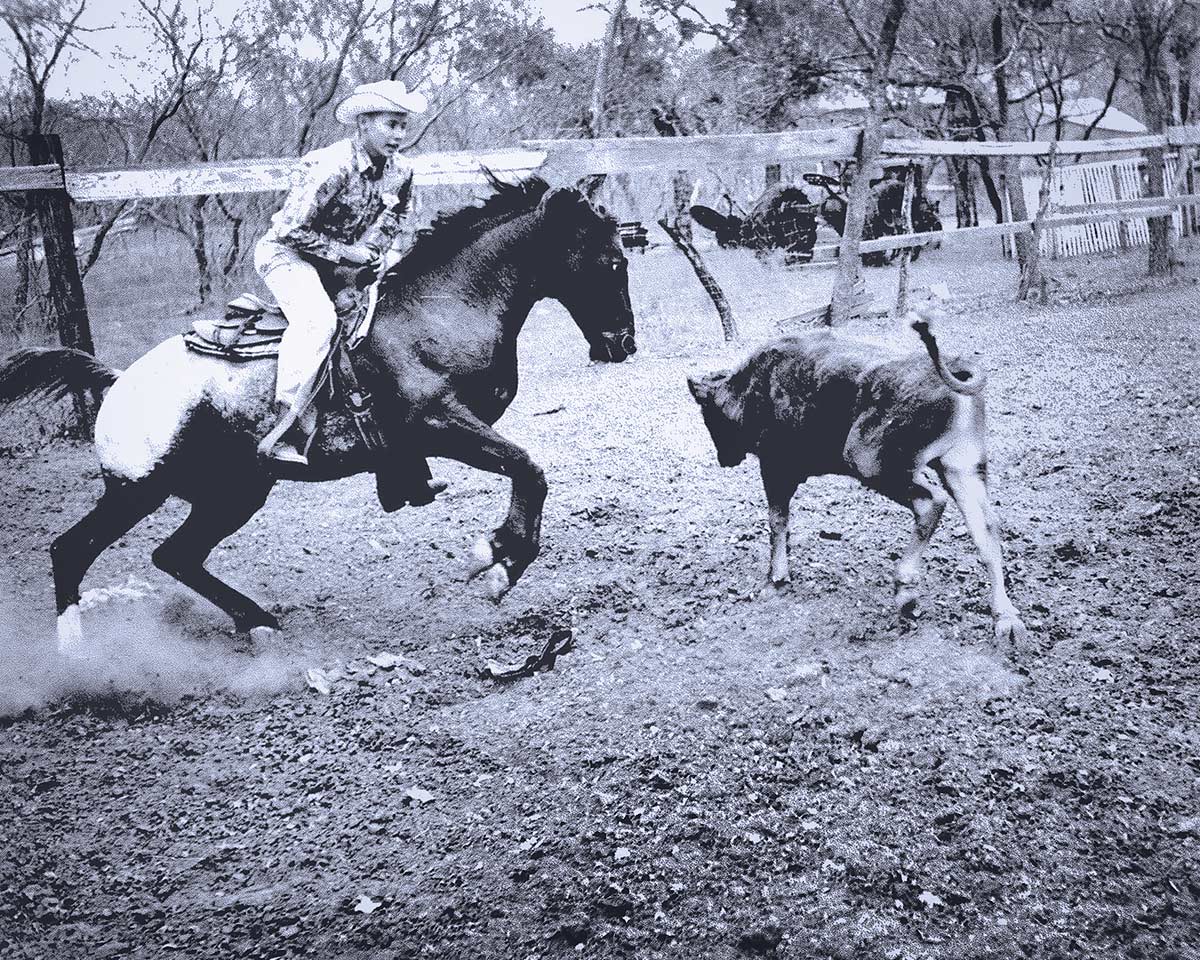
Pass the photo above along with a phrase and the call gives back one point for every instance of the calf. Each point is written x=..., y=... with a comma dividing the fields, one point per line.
x=782, y=219
x=884, y=215
x=907, y=424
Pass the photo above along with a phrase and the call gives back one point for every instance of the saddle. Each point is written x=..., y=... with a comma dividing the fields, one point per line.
x=252, y=329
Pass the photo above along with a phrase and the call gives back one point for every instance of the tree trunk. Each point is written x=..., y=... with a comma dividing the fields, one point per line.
x=1032, y=285
x=846, y=282
x=200, y=249
x=707, y=280
x=1154, y=86
x=906, y=253
x=1012, y=185
x=596, y=121
x=58, y=240
x=25, y=296
x=966, y=212
x=65, y=295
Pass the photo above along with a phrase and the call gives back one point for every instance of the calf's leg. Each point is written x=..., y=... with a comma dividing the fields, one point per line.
x=928, y=499
x=968, y=486
x=779, y=483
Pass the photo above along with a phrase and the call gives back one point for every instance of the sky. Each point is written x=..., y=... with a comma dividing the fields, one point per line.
x=574, y=22
x=577, y=22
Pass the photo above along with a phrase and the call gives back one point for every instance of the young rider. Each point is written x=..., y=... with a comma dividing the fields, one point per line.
x=346, y=207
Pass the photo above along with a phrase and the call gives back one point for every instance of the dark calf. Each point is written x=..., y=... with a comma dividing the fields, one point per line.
x=884, y=216
x=782, y=219
x=908, y=425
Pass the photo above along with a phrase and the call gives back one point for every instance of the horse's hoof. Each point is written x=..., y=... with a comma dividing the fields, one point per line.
x=264, y=636
x=482, y=558
x=496, y=581
x=70, y=633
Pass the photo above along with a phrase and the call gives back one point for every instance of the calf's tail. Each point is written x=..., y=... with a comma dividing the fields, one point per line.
x=49, y=374
x=959, y=375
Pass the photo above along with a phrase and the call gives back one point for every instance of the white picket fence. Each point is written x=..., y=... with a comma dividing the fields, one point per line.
x=1103, y=182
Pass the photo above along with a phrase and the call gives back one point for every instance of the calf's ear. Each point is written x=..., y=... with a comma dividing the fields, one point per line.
x=699, y=391
x=708, y=218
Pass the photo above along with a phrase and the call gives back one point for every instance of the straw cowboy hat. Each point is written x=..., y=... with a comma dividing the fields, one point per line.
x=383, y=95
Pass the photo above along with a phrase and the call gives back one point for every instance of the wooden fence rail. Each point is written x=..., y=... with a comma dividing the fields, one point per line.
x=561, y=158
x=52, y=187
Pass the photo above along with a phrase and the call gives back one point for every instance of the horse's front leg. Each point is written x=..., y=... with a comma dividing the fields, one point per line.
x=459, y=435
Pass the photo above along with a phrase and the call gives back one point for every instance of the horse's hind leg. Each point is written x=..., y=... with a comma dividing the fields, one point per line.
x=182, y=554
x=123, y=505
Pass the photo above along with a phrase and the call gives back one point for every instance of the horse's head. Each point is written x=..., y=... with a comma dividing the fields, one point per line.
x=584, y=268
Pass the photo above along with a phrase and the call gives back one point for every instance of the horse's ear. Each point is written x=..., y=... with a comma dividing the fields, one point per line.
x=590, y=185
x=559, y=201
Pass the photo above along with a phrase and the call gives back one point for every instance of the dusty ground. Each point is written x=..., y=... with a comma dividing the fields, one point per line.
x=706, y=773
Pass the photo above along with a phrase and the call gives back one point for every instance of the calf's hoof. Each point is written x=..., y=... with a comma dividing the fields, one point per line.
x=1010, y=629
x=908, y=606
x=483, y=558
x=775, y=588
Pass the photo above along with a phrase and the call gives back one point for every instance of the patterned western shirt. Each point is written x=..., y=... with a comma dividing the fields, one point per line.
x=338, y=199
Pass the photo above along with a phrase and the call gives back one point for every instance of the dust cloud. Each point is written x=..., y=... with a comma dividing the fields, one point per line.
x=135, y=654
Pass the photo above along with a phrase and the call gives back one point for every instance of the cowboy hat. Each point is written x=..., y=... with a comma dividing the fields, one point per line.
x=384, y=95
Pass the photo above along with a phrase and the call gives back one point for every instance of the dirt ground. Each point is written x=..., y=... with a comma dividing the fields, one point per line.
x=707, y=772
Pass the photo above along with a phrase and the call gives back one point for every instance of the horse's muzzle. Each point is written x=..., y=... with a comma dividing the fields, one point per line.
x=614, y=347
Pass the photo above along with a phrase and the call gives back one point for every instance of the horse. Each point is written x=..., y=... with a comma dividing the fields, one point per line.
x=444, y=338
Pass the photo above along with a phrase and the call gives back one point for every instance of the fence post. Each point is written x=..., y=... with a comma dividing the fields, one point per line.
x=906, y=253
x=62, y=269
x=58, y=241
x=1179, y=187
x=1033, y=283
x=847, y=289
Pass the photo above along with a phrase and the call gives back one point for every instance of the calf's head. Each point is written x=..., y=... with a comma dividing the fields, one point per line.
x=723, y=408
x=727, y=228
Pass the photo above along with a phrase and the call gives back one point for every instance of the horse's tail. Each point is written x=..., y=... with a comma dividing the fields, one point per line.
x=50, y=374
x=960, y=376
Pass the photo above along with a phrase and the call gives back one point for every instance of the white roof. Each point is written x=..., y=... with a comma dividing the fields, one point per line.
x=1085, y=110
x=833, y=101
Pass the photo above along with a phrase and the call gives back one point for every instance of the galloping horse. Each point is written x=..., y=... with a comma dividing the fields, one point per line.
x=443, y=339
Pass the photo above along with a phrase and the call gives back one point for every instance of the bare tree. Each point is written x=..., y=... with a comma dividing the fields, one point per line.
x=197, y=48
x=876, y=51
x=1149, y=30
x=44, y=33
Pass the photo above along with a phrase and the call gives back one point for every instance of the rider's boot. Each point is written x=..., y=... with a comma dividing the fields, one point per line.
x=287, y=440
x=407, y=482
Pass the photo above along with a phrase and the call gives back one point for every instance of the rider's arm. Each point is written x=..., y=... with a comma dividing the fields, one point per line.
x=294, y=226
x=393, y=231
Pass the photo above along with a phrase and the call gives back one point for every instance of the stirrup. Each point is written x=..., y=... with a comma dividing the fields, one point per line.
x=287, y=453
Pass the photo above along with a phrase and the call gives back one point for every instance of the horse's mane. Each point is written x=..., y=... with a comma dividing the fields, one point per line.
x=450, y=232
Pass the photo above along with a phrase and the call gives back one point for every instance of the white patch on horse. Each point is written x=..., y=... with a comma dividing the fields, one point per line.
x=145, y=411
x=70, y=632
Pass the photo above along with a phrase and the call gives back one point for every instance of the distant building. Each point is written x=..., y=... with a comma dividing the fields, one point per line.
x=1082, y=118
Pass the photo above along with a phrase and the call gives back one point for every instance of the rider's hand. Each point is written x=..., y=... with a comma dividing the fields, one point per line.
x=360, y=255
